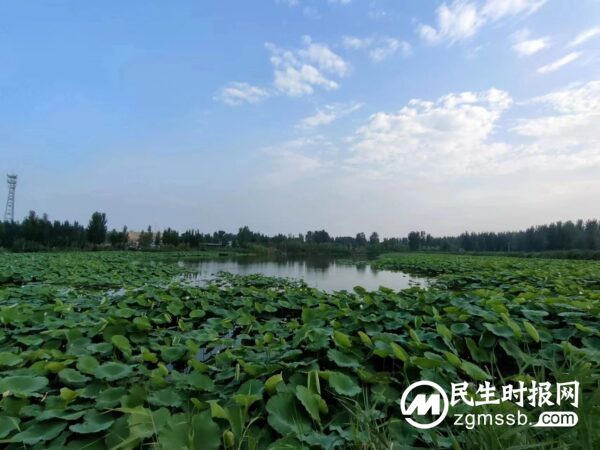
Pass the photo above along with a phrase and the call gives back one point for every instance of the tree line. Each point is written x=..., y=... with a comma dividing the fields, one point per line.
x=36, y=233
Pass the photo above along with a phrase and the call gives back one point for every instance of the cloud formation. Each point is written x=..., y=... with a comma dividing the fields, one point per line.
x=378, y=48
x=296, y=73
x=559, y=63
x=462, y=134
x=299, y=72
x=568, y=131
x=327, y=115
x=585, y=36
x=449, y=135
x=462, y=19
x=236, y=93
x=525, y=46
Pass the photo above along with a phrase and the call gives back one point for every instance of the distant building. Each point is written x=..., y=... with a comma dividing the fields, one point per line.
x=133, y=238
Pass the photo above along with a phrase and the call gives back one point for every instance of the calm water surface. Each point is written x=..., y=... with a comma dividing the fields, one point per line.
x=325, y=274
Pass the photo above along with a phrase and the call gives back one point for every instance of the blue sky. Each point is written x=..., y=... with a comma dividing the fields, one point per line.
x=289, y=115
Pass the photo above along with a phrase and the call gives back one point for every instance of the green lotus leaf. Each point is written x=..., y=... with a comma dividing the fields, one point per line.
x=87, y=364
x=320, y=440
x=342, y=339
x=426, y=363
x=532, y=331
x=399, y=352
x=500, y=330
x=108, y=398
x=272, y=382
x=205, y=433
x=200, y=381
x=23, y=385
x=67, y=394
x=310, y=401
x=287, y=443
x=112, y=371
x=172, y=354
x=166, y=397
x=342, y=359
x=7, y=425
x=175, y=433
x=343, y=384
x=121, y=342
x=144, y=423
x=474, y=371
x=459, y=328
x=40, y=432
x=93, y=422
x=103, y=348
x=8, y=359
x=142, y=323
x=62, y=414
x=72, y=376
x=285, y=417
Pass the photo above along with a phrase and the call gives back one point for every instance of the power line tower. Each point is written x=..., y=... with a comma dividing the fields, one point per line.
x=9, y=212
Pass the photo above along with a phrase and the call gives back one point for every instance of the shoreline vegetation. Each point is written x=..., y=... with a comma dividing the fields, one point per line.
x=559, y=240
x=114, y=350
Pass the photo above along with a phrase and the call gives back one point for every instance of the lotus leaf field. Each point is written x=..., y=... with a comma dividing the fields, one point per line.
x=116, y=350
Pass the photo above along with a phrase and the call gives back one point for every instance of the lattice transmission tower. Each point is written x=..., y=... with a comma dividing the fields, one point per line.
x=9, y=212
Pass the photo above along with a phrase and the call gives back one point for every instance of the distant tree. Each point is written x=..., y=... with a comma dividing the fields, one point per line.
x=145, y=239
x=321, y=237
x=118, y=239
x=170, y=237
x=244, y=236
x=157, y=239
x=374, y=238
x=114, y=238
x=361, y=239
x=415, y=239
x=96, y=230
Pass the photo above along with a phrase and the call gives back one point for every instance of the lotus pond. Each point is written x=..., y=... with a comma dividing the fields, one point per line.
x=116, y=350
x=324, y=273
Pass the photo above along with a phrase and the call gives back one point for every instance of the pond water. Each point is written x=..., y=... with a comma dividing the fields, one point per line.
x=323, y=273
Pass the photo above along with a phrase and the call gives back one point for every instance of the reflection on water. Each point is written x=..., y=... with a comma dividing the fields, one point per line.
x=322, y=273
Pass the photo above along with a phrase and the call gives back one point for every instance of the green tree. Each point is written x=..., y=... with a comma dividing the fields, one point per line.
x=145, y=239
x=374, y=238
x=96, y=229
x=361, y=239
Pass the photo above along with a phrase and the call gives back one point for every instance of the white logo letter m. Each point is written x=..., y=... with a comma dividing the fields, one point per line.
x=424, y=404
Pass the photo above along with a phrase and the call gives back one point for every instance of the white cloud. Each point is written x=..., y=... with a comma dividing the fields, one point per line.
x=446, y=162
x=450, y=135
x=298, y=72
x=388, y=47
x=498, y=9
x=378, y=48
x=296, y=159
x=461, y=134
x=237, y=93
x=575, y=99
x=356, y=43
x=295, y=73
x=585, y=36
x=332, y=2
x=462, y=19
x=530, y=46
x=328, y=114
x=458, y=21
x=524, y=46
x=568, y=133
x=561, y=62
